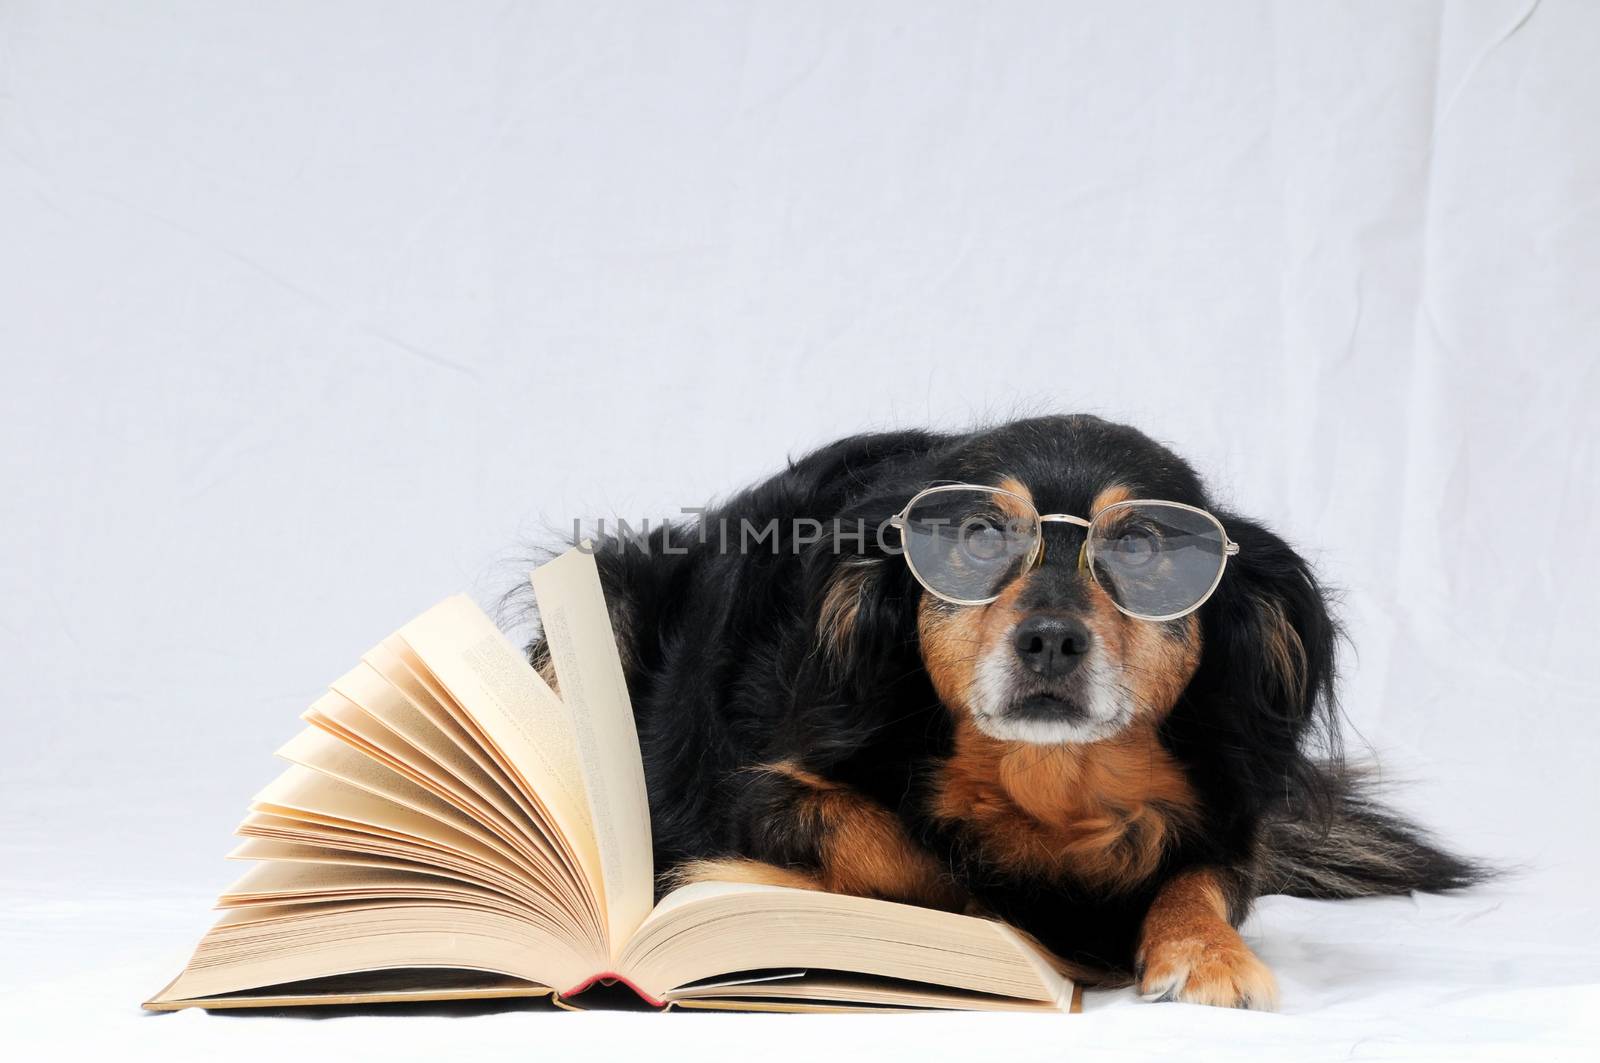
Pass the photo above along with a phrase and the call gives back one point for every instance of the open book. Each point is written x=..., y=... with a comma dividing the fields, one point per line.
x=450, y=828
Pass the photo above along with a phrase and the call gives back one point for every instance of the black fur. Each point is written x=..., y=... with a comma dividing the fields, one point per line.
x=726, y=671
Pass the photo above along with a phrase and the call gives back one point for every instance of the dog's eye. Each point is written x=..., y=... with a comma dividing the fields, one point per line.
x=961, y=548
x=1136, y=547
x=1157, y=560
x=983, y=541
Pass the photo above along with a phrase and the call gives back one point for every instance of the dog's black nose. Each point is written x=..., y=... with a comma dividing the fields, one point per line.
x=1051, y=645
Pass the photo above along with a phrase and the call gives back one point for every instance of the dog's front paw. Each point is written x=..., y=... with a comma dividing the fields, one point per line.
x=1215, y=967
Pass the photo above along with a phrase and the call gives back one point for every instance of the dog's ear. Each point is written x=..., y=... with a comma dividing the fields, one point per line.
x=1267, y=665
x=859, y=642
x=848, y=602
x=860, y=603
x=863, y=618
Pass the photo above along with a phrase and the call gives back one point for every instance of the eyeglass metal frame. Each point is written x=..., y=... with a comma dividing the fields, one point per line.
x=1036, y=554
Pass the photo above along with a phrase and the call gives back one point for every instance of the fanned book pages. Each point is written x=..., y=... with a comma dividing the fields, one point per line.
x=449, y=828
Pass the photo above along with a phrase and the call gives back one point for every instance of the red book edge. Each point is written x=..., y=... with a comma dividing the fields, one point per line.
x=611, y=978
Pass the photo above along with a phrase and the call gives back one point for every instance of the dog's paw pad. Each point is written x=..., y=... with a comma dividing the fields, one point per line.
x=1214, y=969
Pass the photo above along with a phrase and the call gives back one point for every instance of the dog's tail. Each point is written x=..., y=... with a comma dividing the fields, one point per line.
x=1348, y=845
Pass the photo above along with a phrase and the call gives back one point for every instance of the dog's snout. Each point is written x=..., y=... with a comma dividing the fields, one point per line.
x=1051, y=645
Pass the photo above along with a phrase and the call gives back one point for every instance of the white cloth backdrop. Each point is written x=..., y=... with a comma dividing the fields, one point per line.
x=312, y=313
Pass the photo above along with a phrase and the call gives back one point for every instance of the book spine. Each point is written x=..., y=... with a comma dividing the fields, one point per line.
x=611, y=978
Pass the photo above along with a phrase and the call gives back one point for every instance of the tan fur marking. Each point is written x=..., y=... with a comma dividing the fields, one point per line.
x=953, y=640
x=867, y=853
x=1161, y=665
x=1100, y=813
x=865, y=850
x=1109, y=496
x=1009, y=506
x=738, y=869
x=800, y=775
x=1189, y=952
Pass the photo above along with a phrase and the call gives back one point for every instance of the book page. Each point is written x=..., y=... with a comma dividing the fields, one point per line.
x=711, y=929
x=323, y=754
x=516, y=712
x=399, y=986
x=583, y=648
x=370, y=689
x=304, y=795
x=830, y=991
x=240, y=956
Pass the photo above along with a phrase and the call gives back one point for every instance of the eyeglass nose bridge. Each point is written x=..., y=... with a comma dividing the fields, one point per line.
x=1056, y=518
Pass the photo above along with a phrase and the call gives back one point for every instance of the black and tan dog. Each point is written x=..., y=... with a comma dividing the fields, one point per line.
x=1120, y=788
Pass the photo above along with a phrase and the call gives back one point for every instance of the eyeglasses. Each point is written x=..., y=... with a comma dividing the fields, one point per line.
x=1155, y=560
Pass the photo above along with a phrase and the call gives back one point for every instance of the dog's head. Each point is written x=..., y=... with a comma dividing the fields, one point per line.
x=1052, y=658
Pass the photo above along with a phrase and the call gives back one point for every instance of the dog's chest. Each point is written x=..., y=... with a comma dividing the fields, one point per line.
x=1101, y=814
